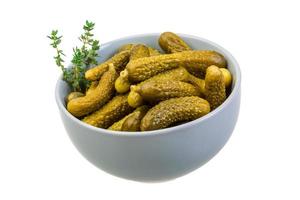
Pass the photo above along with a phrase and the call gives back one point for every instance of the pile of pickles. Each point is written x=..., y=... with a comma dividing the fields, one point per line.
x=142, y=89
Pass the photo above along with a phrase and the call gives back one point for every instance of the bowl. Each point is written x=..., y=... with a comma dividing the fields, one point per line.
x=160, y=155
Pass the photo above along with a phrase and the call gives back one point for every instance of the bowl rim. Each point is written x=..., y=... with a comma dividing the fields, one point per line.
x=233, y=93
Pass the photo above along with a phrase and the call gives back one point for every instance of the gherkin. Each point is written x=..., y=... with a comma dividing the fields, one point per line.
x=172, y=43
x=119, y=60
x=133, y=122
x=139, y=51
x=215, y=90
x=111, y=112
x=122, y=84
x=117, y=126
x=96, y=98
x=135, y=99
x=126, y=47
x=155, y=91
x=196, y=62
x=174, y=110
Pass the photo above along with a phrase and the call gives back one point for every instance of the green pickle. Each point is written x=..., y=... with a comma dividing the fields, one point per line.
x=133, y=121
x=174, y=110
x=135, y=99
x=172, y=43
x=119, y=60
x=196, y=62
x=215, y=90
x=111, y=112
x=122, y=84
x=155, y=91
x=96, y=98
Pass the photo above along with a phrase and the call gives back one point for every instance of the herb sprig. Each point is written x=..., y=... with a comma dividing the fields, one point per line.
x=83, y=57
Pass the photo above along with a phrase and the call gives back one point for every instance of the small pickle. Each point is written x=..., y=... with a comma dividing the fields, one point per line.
x=93, y=86
x=172, y=43
x=97, y=97
x=122, y=84
x=111, y=112
x=155, y=91
x=134, y=98
x=133, y=121
x=125, y=47
x=178, y=74
x=139, y=51
x=153, y=52
x=227, y=77
x=119, y=60
x=128, y=47
x=196, y=62
x=174, y=110
x=73, y=95
x=117, y=126
x=215, y=90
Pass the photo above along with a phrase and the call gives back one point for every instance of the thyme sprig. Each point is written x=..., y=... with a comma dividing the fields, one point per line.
x=83, y=57
x=90, y=46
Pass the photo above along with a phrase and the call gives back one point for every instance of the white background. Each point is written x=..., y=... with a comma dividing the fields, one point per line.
x=260, y=161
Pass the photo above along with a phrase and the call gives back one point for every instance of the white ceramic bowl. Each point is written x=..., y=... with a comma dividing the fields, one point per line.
x=162, y=154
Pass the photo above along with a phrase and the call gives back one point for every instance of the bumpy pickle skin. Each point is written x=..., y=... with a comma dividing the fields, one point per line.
x=153, y=52
x=196, y=62
x=93, y=86
x=178, y=74
x=156, y=91
x=227, y=77
x=73, y=95
x=119, y=60
x=133, y=121
x=117, y=126
x=134, y=98
x=125, y=47
x=139, y=51
x=97, y=97
x=128, y=47
x=215, y=90
x=174, y=110
x=111, y=112
x=172, y=43
x=122, y=84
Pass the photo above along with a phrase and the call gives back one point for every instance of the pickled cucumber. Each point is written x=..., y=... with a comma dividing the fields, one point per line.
x=139, y=51
x=111, y=112
x=125, y=47
x=172, y=43
x=119, y=60
x=214, y=87
x=122, y=84
x=73, y=95
x=128, y=47
x=179, y=74
x=227, y=77
x=195, y=62
x=93, y=86
x=133, y=121
x=134, y=98
x=117, y=126
x=174, y=110
x=155, y=91
x=153, y=52
x=98, y=97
